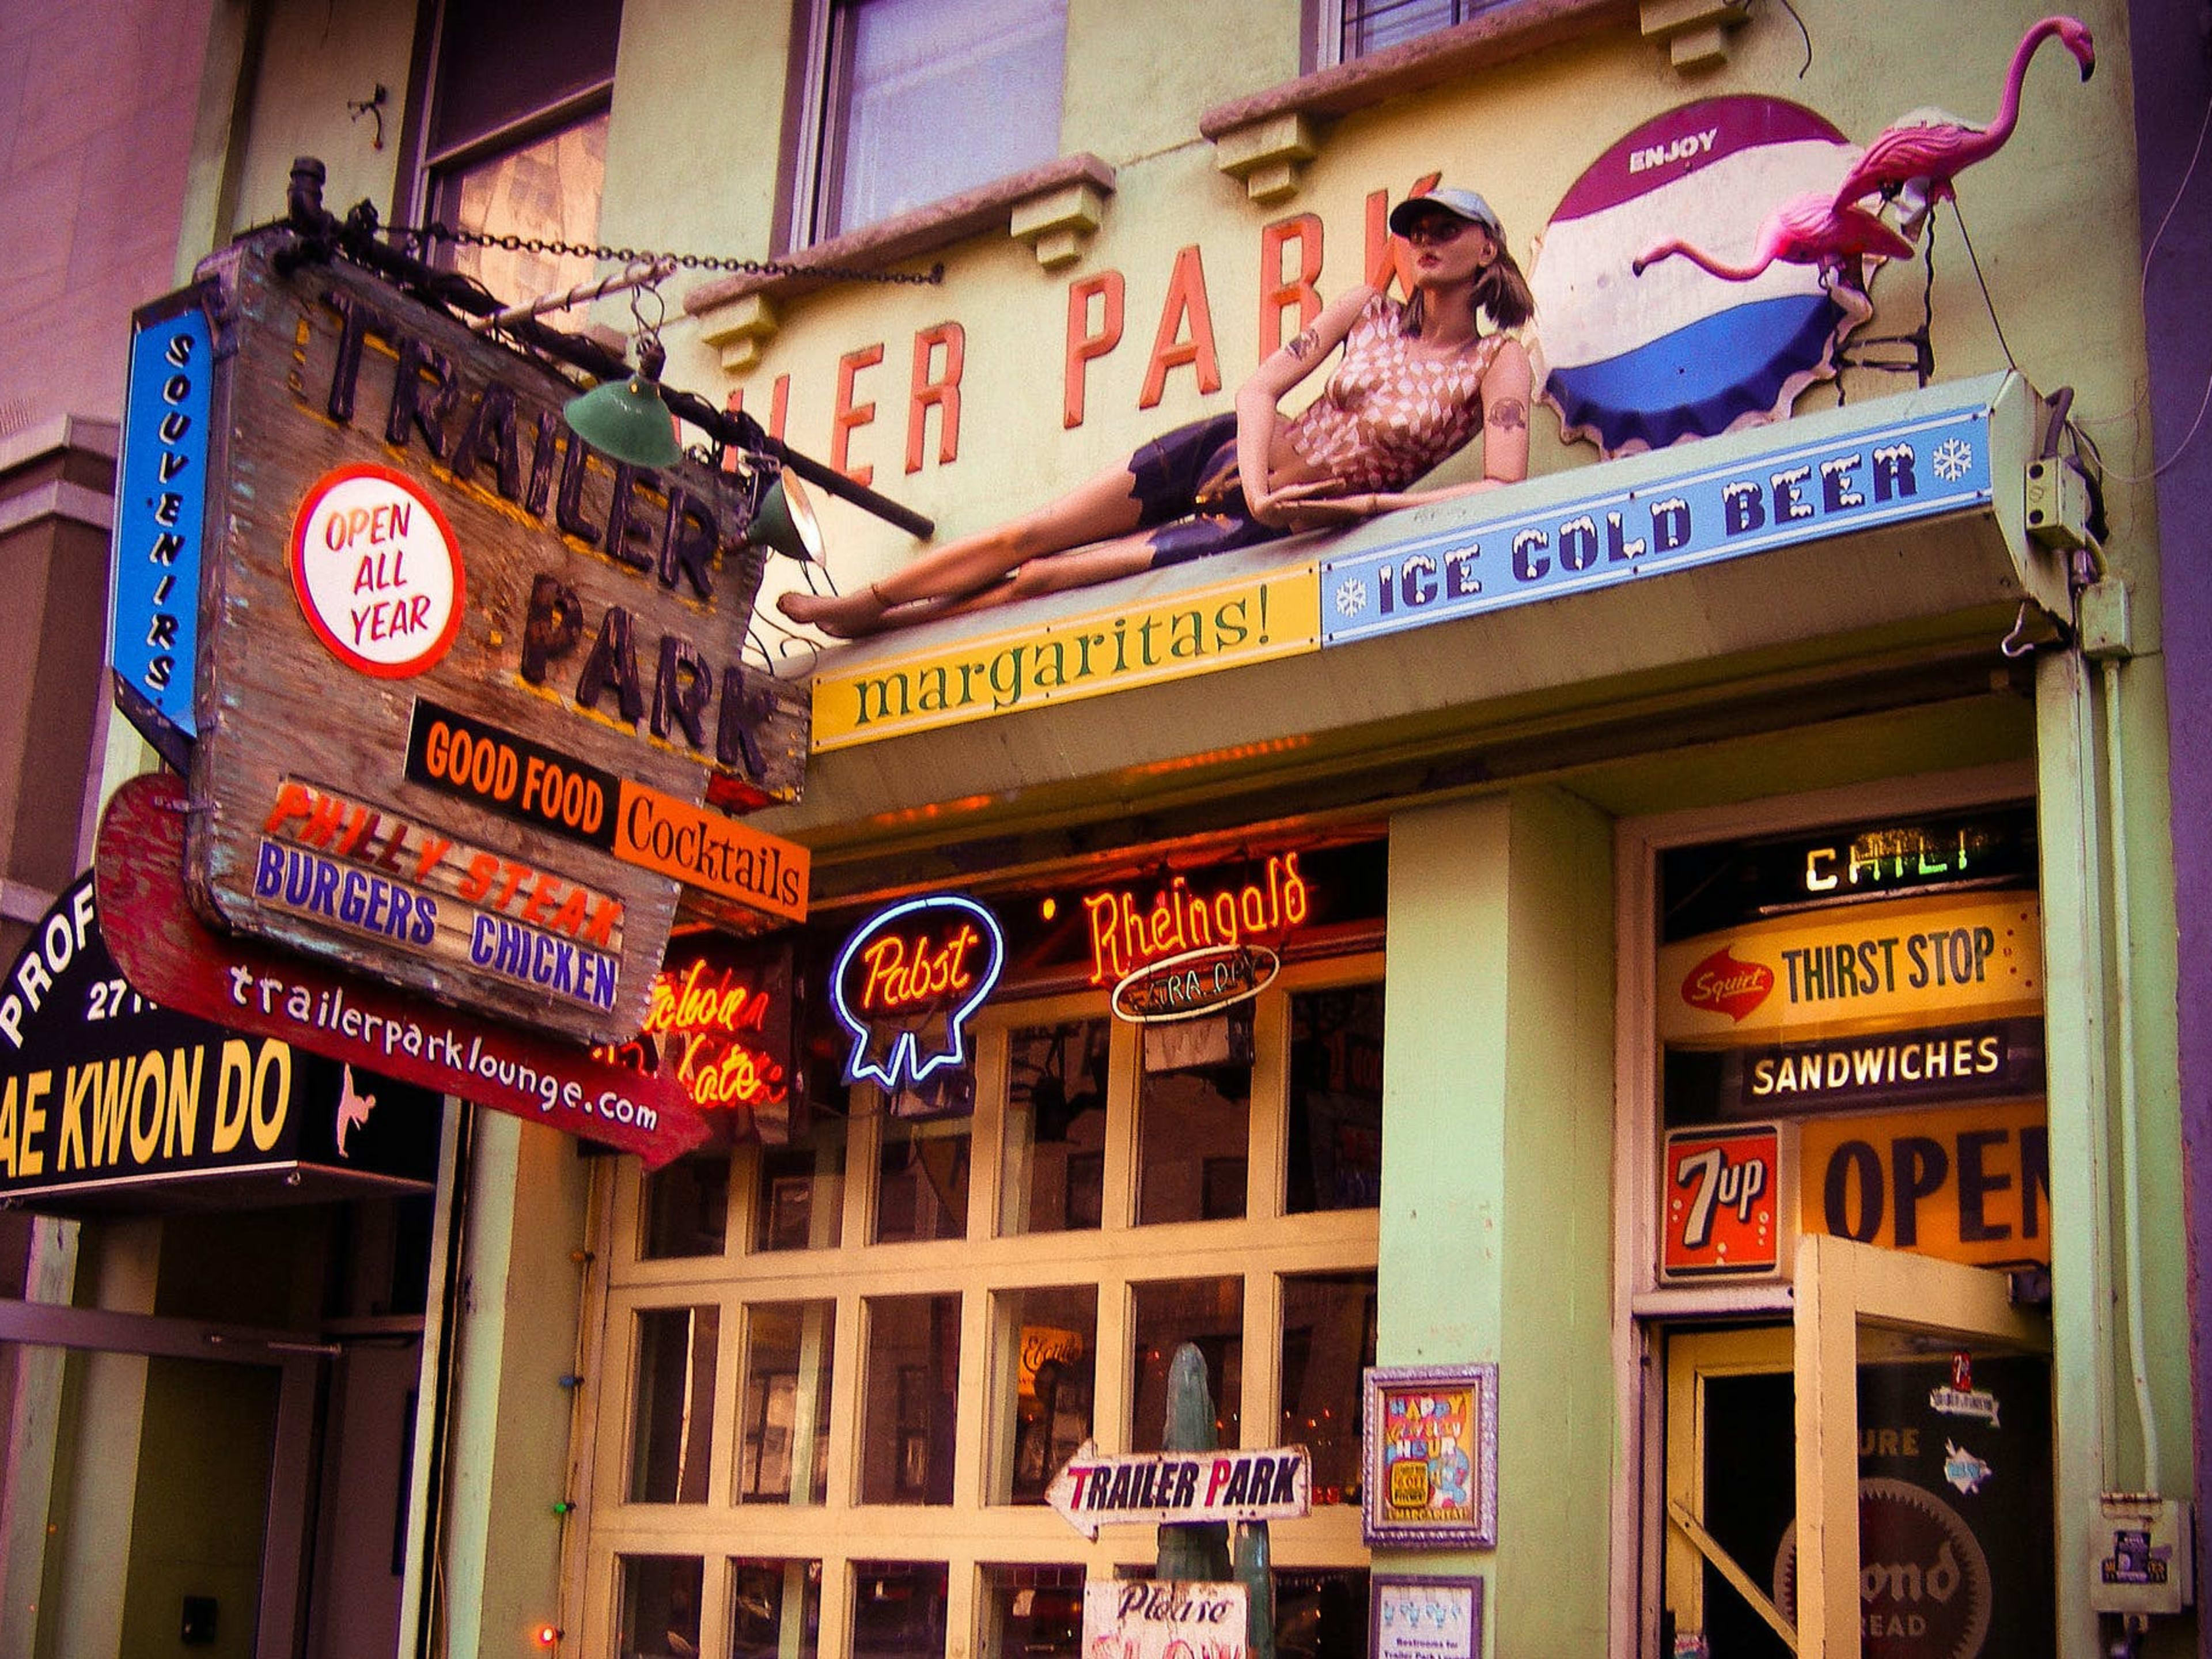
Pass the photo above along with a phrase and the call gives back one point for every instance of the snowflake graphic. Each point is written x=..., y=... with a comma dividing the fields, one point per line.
x=1350, y=597
x=1952, y=458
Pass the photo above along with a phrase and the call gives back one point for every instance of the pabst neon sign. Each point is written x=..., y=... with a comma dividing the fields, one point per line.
x=1189, y=953
x=907, y=982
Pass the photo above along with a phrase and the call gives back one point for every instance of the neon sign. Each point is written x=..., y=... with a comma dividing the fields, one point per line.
x=1126, y=939
x=907, y=983
x=1193, y=983
x=720, y=1022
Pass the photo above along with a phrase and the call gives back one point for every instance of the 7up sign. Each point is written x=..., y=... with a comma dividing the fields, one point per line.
x=1721, y=1208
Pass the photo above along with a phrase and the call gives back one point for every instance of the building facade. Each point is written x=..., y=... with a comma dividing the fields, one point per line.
x=1681, y=951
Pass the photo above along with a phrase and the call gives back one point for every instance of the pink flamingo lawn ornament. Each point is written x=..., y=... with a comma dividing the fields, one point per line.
x=1810, y=229
x=1916, y=158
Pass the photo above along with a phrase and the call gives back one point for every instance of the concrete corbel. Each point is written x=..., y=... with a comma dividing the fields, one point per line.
x=1267, y=154
x=1696, y=31
x=740, y=330
x=1057, y=224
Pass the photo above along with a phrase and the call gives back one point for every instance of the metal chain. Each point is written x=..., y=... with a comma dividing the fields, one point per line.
x=511, y=243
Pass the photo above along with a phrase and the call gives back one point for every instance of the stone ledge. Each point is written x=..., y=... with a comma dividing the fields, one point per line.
x=879, y=246
x=1496, y=36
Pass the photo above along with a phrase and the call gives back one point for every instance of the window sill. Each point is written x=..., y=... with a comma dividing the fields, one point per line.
x=1264, y=139
x=1052, y=207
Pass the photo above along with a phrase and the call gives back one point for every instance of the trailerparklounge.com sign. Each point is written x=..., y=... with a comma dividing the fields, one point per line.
x=415, y=563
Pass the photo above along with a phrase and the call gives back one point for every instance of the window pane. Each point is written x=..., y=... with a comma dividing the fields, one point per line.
x=1056, y=1128
x=1194, y=1120
x=547, y=190
x=1328, y=1336
x=1336, y=1101
x=501, y=60
x=659, y=1617
x=776, y=1608
x=912, y=1382
x=686, y=1208
x=801, y=1202
x=1320, y=1614
x=1031, y=1612
x=1046, y=1341
x=1207, y=1311
x=922, y=1189
x=783, y=1450
x=674, y=1429
x=1372, y=24
x=898, y=1609
x=938, y=96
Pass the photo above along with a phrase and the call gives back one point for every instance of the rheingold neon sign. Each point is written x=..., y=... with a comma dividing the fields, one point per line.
x=909, y=979
x=1126, y=937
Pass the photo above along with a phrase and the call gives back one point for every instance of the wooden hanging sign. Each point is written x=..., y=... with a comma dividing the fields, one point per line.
x=472, y=714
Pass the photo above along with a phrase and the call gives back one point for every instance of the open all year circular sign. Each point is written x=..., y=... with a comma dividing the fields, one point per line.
x=377, y=571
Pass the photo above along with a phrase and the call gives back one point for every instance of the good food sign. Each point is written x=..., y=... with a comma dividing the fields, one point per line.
x=472, y=695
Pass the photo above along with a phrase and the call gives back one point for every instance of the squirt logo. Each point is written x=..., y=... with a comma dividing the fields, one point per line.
x=1641, y=362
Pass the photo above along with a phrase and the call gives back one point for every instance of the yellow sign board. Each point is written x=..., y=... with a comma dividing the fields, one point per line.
x=1248, y=619
x=1971, y=1186
x=1858, y=968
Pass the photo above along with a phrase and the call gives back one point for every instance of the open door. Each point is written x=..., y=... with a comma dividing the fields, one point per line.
x=1873, y=1479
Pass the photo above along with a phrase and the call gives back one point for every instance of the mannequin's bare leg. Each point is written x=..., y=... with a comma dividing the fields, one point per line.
x=1052, y=573
x=1096, y=510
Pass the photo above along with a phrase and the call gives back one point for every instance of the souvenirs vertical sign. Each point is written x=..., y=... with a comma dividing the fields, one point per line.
x=473, y=712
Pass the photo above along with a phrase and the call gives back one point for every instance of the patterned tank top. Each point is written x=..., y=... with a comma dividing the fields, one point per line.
x=1388, y=416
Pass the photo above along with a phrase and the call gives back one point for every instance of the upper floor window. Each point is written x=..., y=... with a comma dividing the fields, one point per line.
x=908, y=101
x=1357, y=28
x=517, y=137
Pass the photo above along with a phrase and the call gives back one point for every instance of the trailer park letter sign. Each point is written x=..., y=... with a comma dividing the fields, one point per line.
x=471, y=706
x=1094, y=1487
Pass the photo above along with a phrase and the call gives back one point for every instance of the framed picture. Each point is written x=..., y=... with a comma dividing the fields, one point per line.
x=1429, y=1462
x=1413, y=1616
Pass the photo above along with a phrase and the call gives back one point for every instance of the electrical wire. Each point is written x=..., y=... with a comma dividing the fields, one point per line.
x=1802, y=30
x=1974, y=259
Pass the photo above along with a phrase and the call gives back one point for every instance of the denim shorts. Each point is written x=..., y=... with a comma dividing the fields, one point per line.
x=1187, y=496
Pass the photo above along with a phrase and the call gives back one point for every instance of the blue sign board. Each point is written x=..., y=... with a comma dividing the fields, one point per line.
x=161, y=518
x=1774, y=497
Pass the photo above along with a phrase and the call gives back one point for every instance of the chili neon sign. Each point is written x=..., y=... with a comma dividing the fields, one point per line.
x=1127, y=937
x=907, y=982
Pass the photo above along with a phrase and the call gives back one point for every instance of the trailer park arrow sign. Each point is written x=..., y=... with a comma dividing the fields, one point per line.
x=1094, y=1487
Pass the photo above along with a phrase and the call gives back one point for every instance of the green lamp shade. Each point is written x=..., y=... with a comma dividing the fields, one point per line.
x=785, y=521
x=627, y=420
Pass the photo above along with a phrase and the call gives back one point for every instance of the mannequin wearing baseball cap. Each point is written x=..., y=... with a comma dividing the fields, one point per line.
x=1416, y=382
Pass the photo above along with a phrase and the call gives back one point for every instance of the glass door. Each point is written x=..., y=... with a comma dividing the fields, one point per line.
x=1901, y=1424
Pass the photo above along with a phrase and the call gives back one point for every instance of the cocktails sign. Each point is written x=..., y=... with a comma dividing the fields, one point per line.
x=907, y=983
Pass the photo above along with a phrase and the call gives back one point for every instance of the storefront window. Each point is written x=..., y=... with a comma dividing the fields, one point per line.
x=776, y=1608
x=1046, y=1342
x=1056, y=1127
x=1336, y=1100
x=1031, y=1612
x=921, y=1189
x=1328, y=1336
x=685, y=1209
x=912, y=1378
x=1194, y=1120
x=1209, y=1312
x=899, y=1609
x=659, y=1616
x=801, y=1201
x=899, y=1391
x=672, y=1434
x=790, y=1350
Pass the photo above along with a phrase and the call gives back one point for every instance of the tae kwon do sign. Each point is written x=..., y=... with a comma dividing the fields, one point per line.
x=104, y=1093
x=1094, y=1487
x=472, y=700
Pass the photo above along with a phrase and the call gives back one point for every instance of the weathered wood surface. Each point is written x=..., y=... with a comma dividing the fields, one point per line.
x=274, y=702
x=168, y=955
